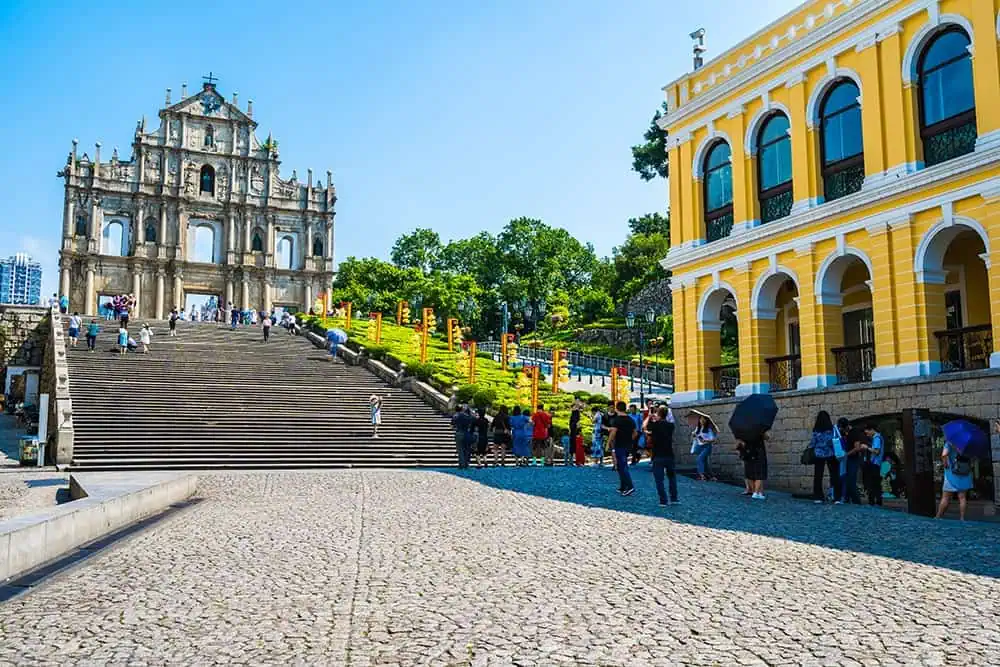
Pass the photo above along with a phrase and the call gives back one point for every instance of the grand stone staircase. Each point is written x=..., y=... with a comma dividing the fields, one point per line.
x=215, y=398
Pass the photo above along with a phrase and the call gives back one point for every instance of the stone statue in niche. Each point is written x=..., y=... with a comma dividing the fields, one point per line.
x=222, y=181
x=175, y=129
x=256, y=180
x=153, y=167
x=191, y=179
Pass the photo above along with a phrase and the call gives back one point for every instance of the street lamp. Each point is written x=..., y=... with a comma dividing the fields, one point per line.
x=640, y=329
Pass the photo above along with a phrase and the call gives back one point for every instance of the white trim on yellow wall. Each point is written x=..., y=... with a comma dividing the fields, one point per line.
x=928, y=260
x=769, y=312
x=699, y=155
x=823, y=85
x=924, y=35
x=750, y=140
x=715, y=322
x=827, y=289
x=944, y=172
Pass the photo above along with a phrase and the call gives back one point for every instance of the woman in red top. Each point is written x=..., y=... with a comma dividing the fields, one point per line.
x=540, y=421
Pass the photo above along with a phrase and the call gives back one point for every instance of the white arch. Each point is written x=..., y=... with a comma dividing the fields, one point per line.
x=812, y=107
x=831, y=274
x=929, y=258
x=285, y=252
x=711, y=304
x=924, y=35
x=753, y=129
x=698, y=165
x=765, y=292
x=115, y=238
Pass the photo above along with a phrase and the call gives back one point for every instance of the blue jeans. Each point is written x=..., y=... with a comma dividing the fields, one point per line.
x=624, y=476
x=849, y=483
x=703, y=453
x=661, y=465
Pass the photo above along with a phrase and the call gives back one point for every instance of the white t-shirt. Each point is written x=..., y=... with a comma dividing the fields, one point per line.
x=145, y=335
x=75, y=322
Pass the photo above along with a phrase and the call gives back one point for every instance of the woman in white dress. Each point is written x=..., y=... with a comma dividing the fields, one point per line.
x=375, y=405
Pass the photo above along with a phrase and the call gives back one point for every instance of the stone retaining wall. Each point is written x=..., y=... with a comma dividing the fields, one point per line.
x=23, y=333
x=974, y=394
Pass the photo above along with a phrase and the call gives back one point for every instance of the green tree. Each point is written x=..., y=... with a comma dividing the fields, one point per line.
x=649, y=159
x=420, y=249
x=651, y=223
x=637, y=263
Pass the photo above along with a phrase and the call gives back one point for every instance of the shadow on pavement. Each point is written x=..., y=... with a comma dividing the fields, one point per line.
x=969, y=547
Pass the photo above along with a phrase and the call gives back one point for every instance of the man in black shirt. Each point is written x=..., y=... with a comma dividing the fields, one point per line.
x=661, y=433
x=622, y=432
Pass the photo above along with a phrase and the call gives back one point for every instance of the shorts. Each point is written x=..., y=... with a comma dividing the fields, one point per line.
x=74, y=332
x=755, y=469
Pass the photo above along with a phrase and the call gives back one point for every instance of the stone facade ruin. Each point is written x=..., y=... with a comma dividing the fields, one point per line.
x=198, y=209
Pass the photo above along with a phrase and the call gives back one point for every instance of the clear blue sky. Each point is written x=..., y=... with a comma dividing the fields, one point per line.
x=451, y=115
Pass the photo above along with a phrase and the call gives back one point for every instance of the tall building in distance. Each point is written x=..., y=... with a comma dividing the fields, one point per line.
x=198, y=211
x=20, y=281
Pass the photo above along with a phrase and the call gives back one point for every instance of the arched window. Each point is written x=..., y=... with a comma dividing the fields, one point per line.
x=209, y=135
x=318, y=247
x=113, y=239
x=947, y=100
x=202, y=244
x=843, y=150
x=284, y=252
x=774, y=168
x=257, y=244
x=150, y=230
x=81, y=225
x=208, y=180
x=718, y=192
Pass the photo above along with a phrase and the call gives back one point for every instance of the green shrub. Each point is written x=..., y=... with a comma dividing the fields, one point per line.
x=466, y=393
x=420, y=371
x=377, y=351
x=582, y=395
x=485, y=397
x=598, y=399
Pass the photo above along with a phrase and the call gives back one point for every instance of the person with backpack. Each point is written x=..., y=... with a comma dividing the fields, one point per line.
x=873, y=465
x=823, y=455
x=957, y=479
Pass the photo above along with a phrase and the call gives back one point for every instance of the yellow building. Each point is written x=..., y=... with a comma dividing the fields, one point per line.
x=835, y=184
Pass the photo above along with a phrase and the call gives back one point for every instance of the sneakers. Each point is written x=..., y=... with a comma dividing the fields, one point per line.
x=628, y=492
x=817, y=502
x=838, y=502
x=675, y=502
x=664, y=504
x=758, y=496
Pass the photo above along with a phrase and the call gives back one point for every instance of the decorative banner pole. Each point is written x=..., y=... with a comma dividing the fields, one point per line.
x=614, y=385
x=534, y=387
x=399, y=313
x=347, y=315
x=375, y=326
x=452, y=331
x=472, y=362
x=560, y=369
x=620, y=385
x=427, y=322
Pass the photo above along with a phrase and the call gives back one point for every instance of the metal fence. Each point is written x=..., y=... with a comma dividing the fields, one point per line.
x=582, y=364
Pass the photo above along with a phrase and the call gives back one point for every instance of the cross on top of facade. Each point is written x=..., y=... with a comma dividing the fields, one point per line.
x=210, y=80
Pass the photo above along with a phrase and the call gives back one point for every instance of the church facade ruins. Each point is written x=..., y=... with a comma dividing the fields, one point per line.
x=198, y=211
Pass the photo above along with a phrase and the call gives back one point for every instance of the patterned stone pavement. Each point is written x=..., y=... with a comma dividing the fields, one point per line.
x=516, y=566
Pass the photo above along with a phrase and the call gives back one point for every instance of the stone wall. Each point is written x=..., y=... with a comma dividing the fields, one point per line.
x=23, y=332
x=55, y=383
x=656, y=295
x=973, y=394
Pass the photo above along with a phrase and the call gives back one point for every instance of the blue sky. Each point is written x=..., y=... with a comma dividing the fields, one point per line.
x=451, y=115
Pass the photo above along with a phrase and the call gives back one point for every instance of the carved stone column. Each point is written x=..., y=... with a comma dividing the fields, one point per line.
x=178, y=288
x=160, y=275
x=245, y=292
x=90, y=297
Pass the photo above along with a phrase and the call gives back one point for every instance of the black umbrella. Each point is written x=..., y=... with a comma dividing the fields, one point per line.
x=754, y=415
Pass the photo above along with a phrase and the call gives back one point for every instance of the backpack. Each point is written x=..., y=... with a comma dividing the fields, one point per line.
x=962, y=466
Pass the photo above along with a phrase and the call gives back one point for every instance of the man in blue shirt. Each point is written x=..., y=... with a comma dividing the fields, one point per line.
x=875, y=453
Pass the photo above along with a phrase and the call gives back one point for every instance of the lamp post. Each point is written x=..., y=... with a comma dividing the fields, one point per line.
x=640, y=329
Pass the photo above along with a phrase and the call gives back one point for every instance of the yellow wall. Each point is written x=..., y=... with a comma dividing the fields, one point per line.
x=889, y=223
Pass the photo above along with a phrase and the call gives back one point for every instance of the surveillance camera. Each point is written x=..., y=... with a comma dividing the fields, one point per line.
x=698, y=34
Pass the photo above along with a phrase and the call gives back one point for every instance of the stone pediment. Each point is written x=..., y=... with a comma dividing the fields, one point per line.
x=209, y=103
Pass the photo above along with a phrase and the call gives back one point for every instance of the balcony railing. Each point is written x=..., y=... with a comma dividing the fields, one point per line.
x=724, y=379
x=784, y=372
x=854, y=363
x=965, y=349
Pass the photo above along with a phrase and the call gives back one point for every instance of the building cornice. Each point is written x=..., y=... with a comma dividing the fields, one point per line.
x=938, y=174
x=861, y=12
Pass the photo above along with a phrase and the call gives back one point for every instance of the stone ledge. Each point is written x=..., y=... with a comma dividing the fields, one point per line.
x=106, y=502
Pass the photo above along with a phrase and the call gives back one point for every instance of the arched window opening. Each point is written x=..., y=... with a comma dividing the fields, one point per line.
x=81, y=225
x=285, y=249
x=842, y=144
x=774, y=168
x=114, y=239
x=318, y=247
x=947, y=98
x=209, y=136
x=203, y=244
x=150, y=231
x=257, y=244
x=208, y=180
x=718, y=192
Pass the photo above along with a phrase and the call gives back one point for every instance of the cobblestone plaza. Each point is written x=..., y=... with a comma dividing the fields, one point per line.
x=516, y=566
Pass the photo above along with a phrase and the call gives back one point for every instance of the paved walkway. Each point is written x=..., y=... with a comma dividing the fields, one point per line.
x=517, y=566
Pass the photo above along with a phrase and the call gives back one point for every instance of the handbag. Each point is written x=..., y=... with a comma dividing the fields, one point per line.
x=838, y=446
x=808, y=457
x=961, y=466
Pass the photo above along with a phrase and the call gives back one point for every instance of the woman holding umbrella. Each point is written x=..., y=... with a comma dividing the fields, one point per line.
x=751, y=423
x=963, y=441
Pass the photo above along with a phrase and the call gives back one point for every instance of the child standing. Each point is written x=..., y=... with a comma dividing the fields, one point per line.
x=123, y=339
x=579, y=453
x=145, y=336
x=567, y=448
x=375, y=403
